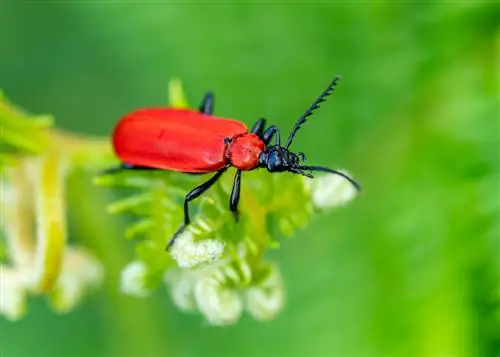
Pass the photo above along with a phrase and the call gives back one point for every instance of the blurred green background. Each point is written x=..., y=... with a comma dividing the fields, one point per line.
x=409, y=269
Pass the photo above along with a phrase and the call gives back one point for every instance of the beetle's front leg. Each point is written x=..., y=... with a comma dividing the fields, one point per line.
x=270, y=133
x=124, y=167
x=207, y=104
x=235, y=195
x=258, y=127
x=197, y=191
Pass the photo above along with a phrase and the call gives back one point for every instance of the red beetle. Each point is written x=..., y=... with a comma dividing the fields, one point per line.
x=192, y=141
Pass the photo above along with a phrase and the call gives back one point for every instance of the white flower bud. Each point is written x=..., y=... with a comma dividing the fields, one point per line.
x=330, y=190
x=80, y=272
x=181, y=284
x=265, y=301
x=133, y=279
x=220, y=304
x=13, y=291
x=190, y=254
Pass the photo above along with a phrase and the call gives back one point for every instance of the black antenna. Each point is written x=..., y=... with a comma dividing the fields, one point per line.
x=309, y=111
x=332, y=171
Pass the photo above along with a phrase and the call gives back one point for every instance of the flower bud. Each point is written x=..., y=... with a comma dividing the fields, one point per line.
x=181, y=284
x=265, y=300
x=13, y=293
x=220, y=304
x=328, y=191
x=133, y=279
x=190, y=254
x=80, y=272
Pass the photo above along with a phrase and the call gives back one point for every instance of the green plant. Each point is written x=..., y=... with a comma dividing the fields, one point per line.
x=216, y=267
x=34, y=171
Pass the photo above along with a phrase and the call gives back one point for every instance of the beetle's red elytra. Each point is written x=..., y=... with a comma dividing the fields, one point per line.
x=191, y=141
x=175, y=139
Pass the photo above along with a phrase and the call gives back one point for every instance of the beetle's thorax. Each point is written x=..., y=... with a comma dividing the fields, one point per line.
x=278, y=159
x=243, y=151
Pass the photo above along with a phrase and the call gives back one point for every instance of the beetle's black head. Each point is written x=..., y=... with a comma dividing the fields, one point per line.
x=280, y=159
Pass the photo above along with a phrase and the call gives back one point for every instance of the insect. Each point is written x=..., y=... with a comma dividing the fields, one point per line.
x=192, y=141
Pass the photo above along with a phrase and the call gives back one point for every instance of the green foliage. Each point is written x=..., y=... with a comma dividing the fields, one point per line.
x=22, y=133
x=157, y=198
x=229, y=253
x=411, y=270
x=37, y=259
x=3, y=249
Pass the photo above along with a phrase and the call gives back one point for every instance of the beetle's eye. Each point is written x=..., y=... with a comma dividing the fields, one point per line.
x=273, y=161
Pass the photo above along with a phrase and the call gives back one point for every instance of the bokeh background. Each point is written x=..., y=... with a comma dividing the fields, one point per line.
x=409, y=269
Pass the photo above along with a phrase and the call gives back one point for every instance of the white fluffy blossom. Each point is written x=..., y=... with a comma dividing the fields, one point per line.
x=189, y=253
x=80, y=272
x=218, y=302
x=181, y=284
x=133, y=279
x=265, y=300
x=329, y=190
x=206, y=290
x=220, y=293
x=13, y=291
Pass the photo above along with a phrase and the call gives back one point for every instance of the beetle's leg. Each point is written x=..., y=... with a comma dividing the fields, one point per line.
x=113, y=170
x=207, y=104
x=258, y=127
x=123, y=167
x=235, y=196
x=269, y=133
x=197, y=191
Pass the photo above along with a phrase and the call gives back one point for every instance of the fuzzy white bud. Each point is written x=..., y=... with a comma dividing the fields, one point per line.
x=265, y=300
x=13, y=291
x=133, y=279
x=328, y=191
x=190, y=254
x=80, y=272
x=220, y=304
x=181, y=284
